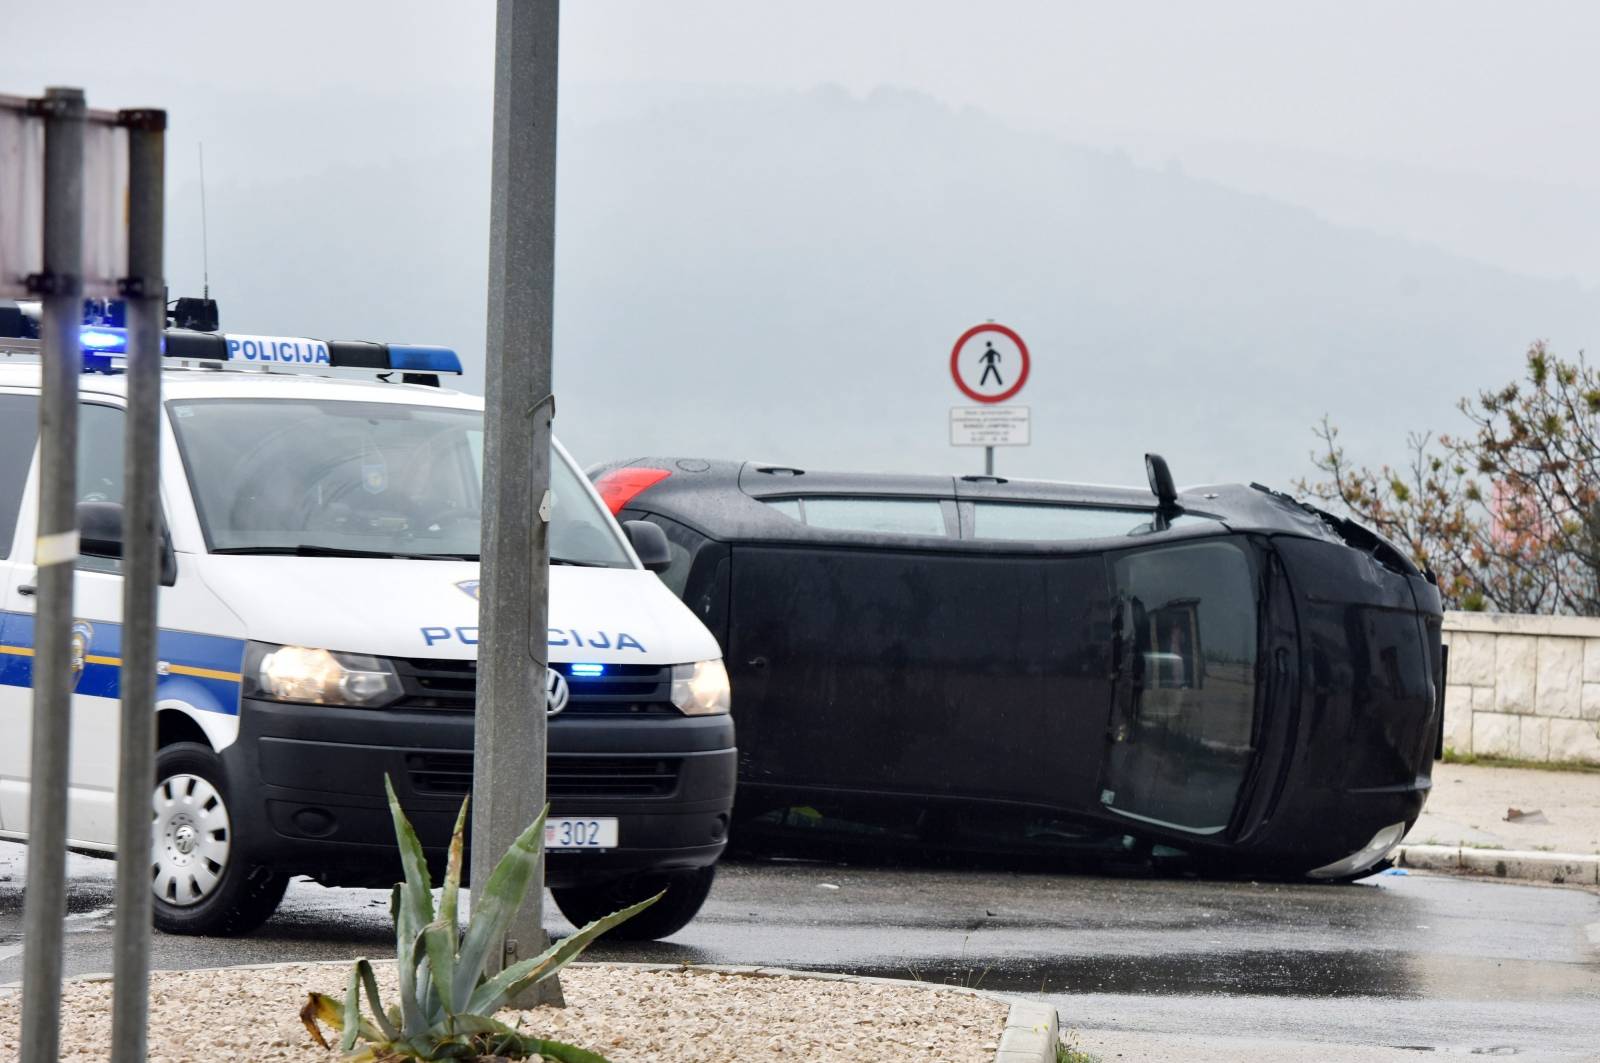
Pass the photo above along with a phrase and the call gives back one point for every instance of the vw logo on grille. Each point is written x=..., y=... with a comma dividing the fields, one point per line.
x=556, y=691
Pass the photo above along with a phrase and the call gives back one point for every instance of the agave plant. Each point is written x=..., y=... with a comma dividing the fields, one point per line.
x=447, y=1003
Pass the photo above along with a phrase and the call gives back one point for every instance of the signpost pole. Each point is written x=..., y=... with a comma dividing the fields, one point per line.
x=509, y=745
x=988, y=461
x=145, y=292
x=61, y=289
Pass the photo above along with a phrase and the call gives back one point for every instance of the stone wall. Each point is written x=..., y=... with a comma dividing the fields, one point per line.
x=1523, y=686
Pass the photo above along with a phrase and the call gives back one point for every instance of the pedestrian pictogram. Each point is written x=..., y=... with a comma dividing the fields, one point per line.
x=989, y=363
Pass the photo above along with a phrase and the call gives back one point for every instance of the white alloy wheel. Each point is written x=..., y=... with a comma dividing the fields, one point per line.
x=190, y=837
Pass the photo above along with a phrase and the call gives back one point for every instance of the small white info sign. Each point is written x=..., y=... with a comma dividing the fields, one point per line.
x=990, y=426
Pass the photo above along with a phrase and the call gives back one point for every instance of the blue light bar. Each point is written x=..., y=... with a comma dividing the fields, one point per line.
x=104, y=340
x=588, y=671
x=413, y=359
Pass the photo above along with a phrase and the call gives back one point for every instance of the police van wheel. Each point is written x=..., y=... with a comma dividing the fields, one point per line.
x=202, y=878
x=686, y=891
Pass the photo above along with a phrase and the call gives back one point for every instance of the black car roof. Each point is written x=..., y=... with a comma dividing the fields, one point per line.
x=725, y=500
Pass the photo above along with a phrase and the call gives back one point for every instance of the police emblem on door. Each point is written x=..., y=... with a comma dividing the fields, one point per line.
x=469, y=587
x=556, y=691
x=82, y=639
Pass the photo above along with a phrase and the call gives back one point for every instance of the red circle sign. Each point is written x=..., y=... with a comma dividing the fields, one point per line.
x=990, y=362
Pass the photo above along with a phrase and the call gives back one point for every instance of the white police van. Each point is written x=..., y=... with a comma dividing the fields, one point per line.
x=319, y=617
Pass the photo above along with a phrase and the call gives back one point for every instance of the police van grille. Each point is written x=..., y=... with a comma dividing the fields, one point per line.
x=566, y=776
x=624, y=689
x=437, y=684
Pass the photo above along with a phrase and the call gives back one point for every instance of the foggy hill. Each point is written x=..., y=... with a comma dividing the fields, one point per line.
x=781, y=276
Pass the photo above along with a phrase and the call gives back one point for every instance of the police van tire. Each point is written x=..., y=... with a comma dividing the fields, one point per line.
x=244, y=895
x=686, y=891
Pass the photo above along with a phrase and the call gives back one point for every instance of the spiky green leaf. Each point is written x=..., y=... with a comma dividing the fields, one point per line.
x=408, y=953
x=470, y=1025
x=391, y=1031
x=559, y=1051
x=495, y=902
x=449, y=896
x=352, y=1011
x=488, y=997
x=440, y=941
x=418, y=891
x=321, y=1008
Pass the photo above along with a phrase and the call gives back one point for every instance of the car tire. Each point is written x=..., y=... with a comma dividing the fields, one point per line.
x=686, y=891
x=203, y=880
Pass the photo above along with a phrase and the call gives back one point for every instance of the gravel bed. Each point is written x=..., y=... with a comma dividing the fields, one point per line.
x=626, y=1014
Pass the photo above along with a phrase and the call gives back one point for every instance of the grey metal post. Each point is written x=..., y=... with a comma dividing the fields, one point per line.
x=509, y=749
x=988, y=461
x=61, y=288
x=144, y=290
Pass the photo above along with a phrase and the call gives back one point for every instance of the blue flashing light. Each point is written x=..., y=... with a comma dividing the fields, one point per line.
x=104, y=340
x=410, y=359
x=588, y=671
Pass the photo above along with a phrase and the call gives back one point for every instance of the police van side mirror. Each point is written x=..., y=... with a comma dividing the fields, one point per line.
x=100, y=535
x=650, y=543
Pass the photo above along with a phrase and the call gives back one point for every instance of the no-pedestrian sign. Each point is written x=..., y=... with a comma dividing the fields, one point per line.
x=989, y=363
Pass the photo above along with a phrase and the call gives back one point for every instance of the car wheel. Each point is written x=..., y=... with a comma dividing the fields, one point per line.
x=686, y=891
x=201, y=877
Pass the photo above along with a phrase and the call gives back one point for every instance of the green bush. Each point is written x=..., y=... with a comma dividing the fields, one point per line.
x=447, y=1002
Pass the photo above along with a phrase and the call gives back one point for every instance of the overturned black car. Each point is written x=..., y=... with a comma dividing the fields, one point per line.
x=981, y=664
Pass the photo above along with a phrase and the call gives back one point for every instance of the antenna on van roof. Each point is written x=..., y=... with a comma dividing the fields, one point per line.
x=198, y=315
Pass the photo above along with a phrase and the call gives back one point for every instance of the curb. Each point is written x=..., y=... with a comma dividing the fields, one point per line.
x=1557, y=868
x=1030, y=1035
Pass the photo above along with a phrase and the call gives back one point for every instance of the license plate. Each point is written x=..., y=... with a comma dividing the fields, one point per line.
x=577, y=833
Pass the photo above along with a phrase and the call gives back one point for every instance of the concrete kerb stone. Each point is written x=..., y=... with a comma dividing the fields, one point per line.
x=1558, y=868
x=1030, y=1034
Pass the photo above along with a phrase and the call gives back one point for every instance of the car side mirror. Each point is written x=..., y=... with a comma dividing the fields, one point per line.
x=100, y=535
x=650, y=543
x=1160, y=477
x=100, y=529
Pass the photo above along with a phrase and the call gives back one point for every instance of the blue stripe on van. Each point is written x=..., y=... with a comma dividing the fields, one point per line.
x=202, y=670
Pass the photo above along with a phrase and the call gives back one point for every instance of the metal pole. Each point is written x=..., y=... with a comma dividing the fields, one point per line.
x=56, y=551
x=144, y=290
x=988, y=461
x=509, y=748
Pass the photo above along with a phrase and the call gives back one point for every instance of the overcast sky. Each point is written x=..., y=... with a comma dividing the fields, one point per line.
x=1489, y=88
x=1462, y=127
x=1494, y=100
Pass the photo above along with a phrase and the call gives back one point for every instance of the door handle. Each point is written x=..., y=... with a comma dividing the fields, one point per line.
x=27, y=590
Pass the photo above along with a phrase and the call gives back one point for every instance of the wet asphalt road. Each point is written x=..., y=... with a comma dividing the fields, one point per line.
x=1420, y=963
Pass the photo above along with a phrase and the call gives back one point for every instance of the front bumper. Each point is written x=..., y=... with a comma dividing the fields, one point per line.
x=305, y=788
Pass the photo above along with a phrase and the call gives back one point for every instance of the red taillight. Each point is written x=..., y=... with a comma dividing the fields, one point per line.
x=620, y=486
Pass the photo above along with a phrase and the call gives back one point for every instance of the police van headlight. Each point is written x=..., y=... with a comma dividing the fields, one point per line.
x=700, y=689
x=319, y=677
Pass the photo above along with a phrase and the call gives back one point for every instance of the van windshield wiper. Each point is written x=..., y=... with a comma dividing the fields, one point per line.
x=304, y=550
x=554, y=560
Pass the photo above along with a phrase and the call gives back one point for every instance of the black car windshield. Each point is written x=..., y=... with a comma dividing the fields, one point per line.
x=361, y=479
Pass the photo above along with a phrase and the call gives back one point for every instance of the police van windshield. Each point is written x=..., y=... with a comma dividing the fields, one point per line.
x=360, y=479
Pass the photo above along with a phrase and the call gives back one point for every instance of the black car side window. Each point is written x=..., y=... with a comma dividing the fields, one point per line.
x=876, y=516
